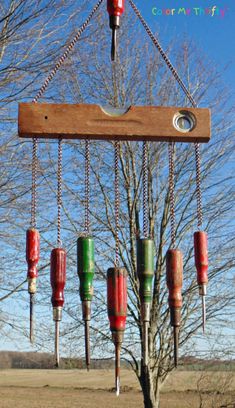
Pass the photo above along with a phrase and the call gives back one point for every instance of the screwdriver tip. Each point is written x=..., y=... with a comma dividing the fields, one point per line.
x=117, y=386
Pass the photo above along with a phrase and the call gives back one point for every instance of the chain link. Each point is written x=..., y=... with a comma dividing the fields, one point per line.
x=34, y=184
x=117, y=201
x=87, y=187
x=145, y=189
x=66, y=53
x=172, y=192
x=59, y=192
x=198, y=184
x=190, y=98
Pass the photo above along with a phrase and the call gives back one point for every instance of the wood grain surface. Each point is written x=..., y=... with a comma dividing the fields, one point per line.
x=83, y=121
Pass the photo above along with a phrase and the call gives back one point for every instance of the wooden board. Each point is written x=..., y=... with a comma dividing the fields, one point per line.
x=92, y=122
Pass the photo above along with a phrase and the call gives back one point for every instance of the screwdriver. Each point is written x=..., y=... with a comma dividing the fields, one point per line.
x=117, y=311
x=115, y=9
x=145, y=272
x=32, y=258
x=86, y=269
x=201, y=263
x=174, y=276
x=58, y=278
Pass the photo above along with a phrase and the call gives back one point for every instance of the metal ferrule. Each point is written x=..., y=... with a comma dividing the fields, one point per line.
x=57, y=314
x=117, y=337
x=145, y=312
x=32, y=285
x=86, y=310
x=114, y=21
x=202, y=290
x=175, y=313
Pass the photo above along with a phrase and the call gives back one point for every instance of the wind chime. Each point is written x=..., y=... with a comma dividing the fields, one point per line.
x=146, y=124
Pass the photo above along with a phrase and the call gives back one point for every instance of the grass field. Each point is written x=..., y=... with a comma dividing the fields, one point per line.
x=77, y=388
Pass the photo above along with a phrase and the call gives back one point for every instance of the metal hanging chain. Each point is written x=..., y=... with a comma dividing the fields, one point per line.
x=66, y=53
x=172, y=192
x=145, y=189
x=198, y=184
x=87, y=187
x=34, y=184
x=59, y=192
x=163, y=54
x=39, y=95
x=117, y=201
x=190, y=98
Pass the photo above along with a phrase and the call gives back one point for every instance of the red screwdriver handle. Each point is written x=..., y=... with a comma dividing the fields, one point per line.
x=117, y=298
x=32, y=252
x=201, y=257
x=174, y=274
x=115, y=7
x=58, y=276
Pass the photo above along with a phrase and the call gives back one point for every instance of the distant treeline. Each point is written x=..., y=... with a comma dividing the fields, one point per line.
x=12, y=359
x=199, y=364
x=30, y=360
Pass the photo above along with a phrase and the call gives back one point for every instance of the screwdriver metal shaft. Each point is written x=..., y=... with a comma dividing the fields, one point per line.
x=145, y=328
x=176, y=345
x=117, y=367
x=57, y=343
x=31, y=330
x=87, y=343
x=114, y=44
x=203, y=313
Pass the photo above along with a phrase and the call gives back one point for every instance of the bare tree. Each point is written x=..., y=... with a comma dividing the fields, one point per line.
x=140, y=77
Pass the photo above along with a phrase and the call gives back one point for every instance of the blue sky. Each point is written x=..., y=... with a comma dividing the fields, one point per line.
x=214, y=35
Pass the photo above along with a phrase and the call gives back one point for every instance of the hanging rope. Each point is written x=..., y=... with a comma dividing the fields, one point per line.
x=87, y=187
x=117, y=201
x=34, y=184
x=190, y=98
x=172, y=192
x=59, y=193
x=145, y=189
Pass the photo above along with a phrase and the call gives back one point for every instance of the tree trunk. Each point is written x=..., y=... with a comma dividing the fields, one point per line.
x=150, y=388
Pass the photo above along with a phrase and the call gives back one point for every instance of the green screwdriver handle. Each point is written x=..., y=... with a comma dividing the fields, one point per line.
x=86, y=266
x=145, y=268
